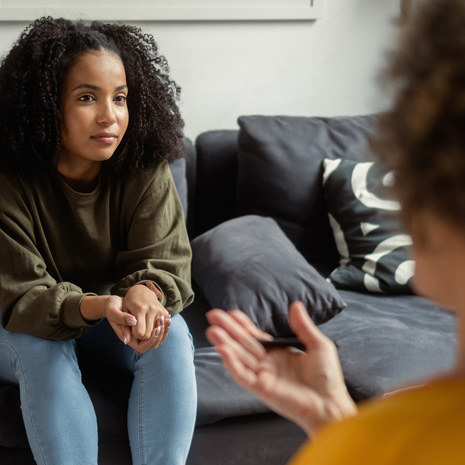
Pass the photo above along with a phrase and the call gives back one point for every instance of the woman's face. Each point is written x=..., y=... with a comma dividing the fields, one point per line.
x=94, y=111
x=439, y=254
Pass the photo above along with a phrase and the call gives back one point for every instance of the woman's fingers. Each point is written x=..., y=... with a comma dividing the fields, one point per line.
x=166, y=328
x=159, y=331
x=123, y=332
x=139, y=330
x=304, y=328
x=226, y=344
x=120, y=321
x=244, y=320
x=150, y=320
x=142, y=346
x=122, y=318
x=243, y=375
x=157, y=336
x=236, y=331
x=163, y=325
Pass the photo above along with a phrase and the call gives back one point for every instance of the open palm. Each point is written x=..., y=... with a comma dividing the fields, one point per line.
x=306, y=387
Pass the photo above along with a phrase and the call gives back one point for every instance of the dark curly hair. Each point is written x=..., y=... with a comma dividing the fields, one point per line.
x=423, y=137
x=31, y=76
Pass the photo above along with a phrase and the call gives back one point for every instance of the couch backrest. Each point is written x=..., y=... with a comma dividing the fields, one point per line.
x=213, y=199
x=272, y=167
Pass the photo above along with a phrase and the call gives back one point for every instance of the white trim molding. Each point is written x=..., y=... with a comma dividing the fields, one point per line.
x=191, y=12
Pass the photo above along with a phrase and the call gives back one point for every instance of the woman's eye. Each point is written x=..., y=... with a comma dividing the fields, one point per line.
x=86, y=98
x=121, y=99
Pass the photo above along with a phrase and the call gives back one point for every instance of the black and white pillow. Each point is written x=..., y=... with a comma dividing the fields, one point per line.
x=364, y=216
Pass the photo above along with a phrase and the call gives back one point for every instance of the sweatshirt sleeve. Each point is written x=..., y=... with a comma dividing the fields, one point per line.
x=157, y=248
x=31, y=300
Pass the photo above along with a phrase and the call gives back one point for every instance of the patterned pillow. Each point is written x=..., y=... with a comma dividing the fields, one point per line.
x=374, y=251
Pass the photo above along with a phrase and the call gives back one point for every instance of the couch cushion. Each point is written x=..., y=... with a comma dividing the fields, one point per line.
x=249, y=263
x=279, y=172
x=374, y=250
x=12, y=432
x=253, y=440
x=388, y=341
x=219, y=396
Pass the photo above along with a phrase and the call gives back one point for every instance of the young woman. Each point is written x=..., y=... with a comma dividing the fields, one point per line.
x=423, y=138
x=94, y=255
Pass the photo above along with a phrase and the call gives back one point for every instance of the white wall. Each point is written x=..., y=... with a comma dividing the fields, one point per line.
x=226, y=69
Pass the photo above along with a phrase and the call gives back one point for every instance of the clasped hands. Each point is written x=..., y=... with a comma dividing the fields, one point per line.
x=306, y=387
x=139, y=319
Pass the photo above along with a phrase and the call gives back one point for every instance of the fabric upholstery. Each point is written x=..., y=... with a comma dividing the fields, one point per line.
x=215, y=185
x=383, y=340
x=219, y=395
x=279, y=172
x=250, y=264
x=386, y=342
x=364, y=216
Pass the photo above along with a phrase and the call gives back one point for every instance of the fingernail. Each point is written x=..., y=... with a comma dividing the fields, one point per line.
x=131, y=321
x=162, y=321
x=125, y=340
x=157, y=331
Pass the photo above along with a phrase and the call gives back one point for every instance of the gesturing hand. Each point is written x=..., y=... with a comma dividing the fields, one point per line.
x=152, y=319
x=306, y=387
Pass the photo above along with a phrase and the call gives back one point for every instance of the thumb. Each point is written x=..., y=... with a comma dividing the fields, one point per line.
x=120, y=321
x=303, y=326
x=127, y=319
x=123, y=332
x=116, y=315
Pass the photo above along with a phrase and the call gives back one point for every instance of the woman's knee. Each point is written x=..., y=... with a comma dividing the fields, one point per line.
x=176, y=354
x=179, y=335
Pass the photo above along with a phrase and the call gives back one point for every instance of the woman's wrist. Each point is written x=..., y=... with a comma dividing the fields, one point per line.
x=154, y=288
x=338, y=408
x=93, y=307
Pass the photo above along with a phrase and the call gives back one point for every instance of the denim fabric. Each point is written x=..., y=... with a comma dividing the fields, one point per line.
x=59, y=416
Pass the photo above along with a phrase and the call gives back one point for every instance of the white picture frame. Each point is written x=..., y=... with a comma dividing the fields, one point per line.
x=162, y=10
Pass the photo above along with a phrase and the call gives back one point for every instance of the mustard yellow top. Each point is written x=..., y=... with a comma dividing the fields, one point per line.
x=421, y=426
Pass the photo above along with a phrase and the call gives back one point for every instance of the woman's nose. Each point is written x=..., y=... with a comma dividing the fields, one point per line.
x=106, y=115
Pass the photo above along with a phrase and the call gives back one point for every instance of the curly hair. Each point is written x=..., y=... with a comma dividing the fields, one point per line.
x=423, y=136
x=31, y=76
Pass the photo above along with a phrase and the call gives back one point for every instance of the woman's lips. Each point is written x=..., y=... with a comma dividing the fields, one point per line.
x=105, y=138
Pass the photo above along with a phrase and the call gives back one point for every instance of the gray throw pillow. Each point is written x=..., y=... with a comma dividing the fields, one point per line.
x=374, y=251
x=279, y=172
x=250, y=264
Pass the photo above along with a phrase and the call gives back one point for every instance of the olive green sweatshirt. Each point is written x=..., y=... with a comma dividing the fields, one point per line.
x=57, y=245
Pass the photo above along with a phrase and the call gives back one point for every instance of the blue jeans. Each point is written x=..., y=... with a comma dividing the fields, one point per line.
x=59, y=416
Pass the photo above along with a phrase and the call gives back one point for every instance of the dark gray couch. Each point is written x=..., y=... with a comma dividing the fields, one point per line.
x=384, y=341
